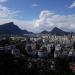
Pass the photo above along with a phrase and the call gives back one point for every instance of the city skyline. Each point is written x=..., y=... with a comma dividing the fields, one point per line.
x=39, y=15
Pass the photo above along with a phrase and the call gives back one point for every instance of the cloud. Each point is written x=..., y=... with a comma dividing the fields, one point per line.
x=72, y=5
x=6, y=12
x=46, y=21
x=35, y=5
x=1, y=1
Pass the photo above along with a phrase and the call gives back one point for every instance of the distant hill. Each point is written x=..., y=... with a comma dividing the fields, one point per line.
x=58, y=31
x=27, y=32
x=44, y=32
x=55, y=31
x=11, y=28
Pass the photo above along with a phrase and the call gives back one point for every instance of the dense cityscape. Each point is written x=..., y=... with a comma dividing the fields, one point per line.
x=37, y=37
x=37, y=54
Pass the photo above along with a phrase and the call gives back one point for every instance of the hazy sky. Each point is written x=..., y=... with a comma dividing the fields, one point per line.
x=39, y=15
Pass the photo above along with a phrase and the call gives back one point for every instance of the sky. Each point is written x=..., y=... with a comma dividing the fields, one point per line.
x=39, y=15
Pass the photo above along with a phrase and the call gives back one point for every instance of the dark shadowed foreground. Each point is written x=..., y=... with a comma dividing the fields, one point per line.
x=9, y=65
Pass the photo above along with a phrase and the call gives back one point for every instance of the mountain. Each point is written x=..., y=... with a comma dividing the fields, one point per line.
x=26, y=32
x=55, y=31
x=11, y=28
x=44, y=32
x=58, y=31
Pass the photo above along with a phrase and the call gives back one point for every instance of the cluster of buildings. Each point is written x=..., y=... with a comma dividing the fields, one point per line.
x=45, y=45
x=40, y=47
